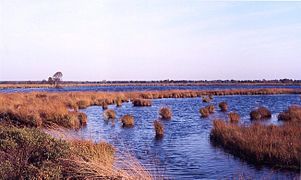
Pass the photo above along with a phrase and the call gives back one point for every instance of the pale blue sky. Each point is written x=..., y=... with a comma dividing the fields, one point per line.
x=149, y=40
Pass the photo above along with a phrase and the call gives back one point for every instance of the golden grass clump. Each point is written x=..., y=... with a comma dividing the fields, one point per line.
x=165, y=113
x=260, y=113
x=110, y=114
x=118, y=101
x=223, y=106
x=104, y=105
x=142, y=102
x=206, y=99
x=234, y=117
x=292, y=114
x=82, y=104
x=204, y=112
x=210, y=108
x=159, y=128
x=277, y=146
x=83, y=119
x=127, y=121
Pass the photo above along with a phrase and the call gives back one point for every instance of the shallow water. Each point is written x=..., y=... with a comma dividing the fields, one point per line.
x=141, y=88
x=185, y=152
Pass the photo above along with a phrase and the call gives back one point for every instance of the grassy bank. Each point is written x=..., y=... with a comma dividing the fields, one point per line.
x=61, y=109
x=29, y=153
x=277, y=146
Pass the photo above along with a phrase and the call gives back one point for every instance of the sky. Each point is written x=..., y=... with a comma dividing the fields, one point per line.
x=99, y=40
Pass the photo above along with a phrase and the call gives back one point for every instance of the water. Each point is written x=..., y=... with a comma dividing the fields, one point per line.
x=141, y=88
x=185, y=152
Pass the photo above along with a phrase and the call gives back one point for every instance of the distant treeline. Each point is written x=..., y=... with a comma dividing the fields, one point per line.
x=279, y=81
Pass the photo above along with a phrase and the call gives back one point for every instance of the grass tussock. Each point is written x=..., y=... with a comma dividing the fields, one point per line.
x=260, y=113
x=104, y=105
x=142, y=102
x=234, y=117
x=118, y=101
x=109, y=114
x=292, y=114
x=159, y=129
x=223, y=106
x=206, y=99
x=127, y=121
x=204, y=112
x=278, y=146
x=165, y=113
x=210, y=109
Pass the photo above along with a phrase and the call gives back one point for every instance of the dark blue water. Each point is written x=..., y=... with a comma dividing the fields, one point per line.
x=185, y=152
x=141, y=88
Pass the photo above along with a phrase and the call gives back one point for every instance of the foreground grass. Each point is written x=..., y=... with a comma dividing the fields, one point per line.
x=61, y=109
x=29, y=153
x=277, y=146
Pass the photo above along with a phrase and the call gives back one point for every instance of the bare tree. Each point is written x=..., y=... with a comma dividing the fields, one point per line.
x=57, y=78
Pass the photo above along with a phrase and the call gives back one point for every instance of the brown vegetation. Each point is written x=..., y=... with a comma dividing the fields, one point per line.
x=234, y=117
x=127, y=121
x=210, y=108
x=142, y=102
x=110, y=114
x=118, y=102
x=28, y=153
x=159, y=128
x=278, y=146
x=223, y=106
x=165, y=113
x=260, y=113
x=60, y=109
x=204, y=112
x=206, y=99
x=292, y=114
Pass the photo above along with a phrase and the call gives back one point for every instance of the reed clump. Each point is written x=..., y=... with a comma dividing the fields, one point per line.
x=204, y=112
x=292, y=114
x=110, y=114
x=159, y=128
x=223, y=106
x=277, y=146
x=165, y=113
x=104, y=105
x=118, y=101
x=260, y=113
x=142, y=102
x=127, y=121
x=206, y=99
x=234, y=117
x=210, y=108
